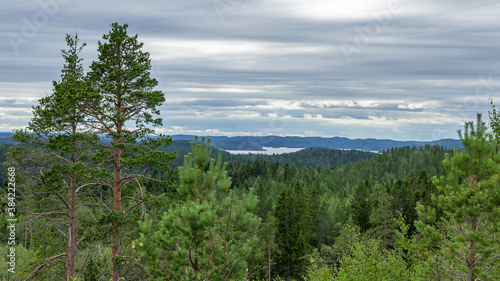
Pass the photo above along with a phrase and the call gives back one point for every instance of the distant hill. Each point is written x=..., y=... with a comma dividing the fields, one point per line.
x=239, y=145
x=319, y=156
x=6, y=141
x=245, y=143
x=5, y=138
x=311, y=157
x=257, y=143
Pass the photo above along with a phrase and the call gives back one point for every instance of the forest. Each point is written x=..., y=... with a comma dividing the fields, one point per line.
x=89, y=194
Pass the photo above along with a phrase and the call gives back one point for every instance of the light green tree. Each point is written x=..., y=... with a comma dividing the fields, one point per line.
x=208, y=237
x=464, y=244
x=495, y=125
x=318, y=270
x=367, y=259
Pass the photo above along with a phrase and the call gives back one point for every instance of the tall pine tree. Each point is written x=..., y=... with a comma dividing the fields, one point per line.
x=57, y=154
x=121, y=105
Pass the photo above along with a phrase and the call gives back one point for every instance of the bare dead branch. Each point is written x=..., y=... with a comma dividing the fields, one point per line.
x=135, y=205
x=48, y=261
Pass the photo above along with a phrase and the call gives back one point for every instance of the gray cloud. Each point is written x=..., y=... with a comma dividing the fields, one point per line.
x=246, y=66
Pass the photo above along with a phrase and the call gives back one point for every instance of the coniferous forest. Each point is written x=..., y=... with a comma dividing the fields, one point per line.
x=90, y=192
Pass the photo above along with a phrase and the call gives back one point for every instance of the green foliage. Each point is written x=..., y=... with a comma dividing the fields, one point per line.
x=93, y=268
x=381, y=218
x=119, y=92
x=122, y=85
x=295, y=214
x=366, y=259
x=25, y=260
x=334, y=190
x=3, y=158
x=495, y=125
x=78, y=147
x=120, y=104
x=316, y=157
x=318, y=271
x=53, y=161
x=211, y=235
x=463, y=244
x=360, y=206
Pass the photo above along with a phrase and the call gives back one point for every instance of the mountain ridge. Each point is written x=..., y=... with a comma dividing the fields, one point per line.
x=258, y=142
x=369, y=144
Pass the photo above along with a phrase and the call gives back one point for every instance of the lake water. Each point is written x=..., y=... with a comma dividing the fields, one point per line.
x=267, y=150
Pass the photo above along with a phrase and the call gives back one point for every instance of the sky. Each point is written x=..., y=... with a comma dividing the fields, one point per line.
x=397, y=69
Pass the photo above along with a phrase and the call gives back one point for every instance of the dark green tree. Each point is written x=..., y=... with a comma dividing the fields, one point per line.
x=265, y=205
x=403, y=200
x=360, y=207
x=295, y=216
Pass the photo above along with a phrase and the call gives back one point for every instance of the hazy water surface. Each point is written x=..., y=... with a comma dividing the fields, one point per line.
x=268, y=150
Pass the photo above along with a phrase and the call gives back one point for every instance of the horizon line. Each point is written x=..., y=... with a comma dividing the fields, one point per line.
x=296, y=136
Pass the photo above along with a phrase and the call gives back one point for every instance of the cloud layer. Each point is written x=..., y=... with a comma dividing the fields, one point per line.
x=392, y=69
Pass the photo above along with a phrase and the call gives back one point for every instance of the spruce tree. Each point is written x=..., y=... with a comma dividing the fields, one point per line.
x=403, y=200
x=295, y=214
x=284, y=214
x=264, y=209
x=465, y=241
x=382, y=218
x=360, y=207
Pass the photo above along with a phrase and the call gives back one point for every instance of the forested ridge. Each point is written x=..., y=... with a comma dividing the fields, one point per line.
x=136, y=207
x=368, y=144
x=313, y=157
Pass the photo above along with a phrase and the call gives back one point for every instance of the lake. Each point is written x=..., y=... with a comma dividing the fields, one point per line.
x=267, y=150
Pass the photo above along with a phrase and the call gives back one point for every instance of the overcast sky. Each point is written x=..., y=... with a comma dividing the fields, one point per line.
x=404, y=70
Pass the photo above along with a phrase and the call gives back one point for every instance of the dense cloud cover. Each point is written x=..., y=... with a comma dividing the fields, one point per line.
x=406, y=70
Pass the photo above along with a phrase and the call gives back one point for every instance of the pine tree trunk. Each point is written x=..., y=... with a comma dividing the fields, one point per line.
x=470, y=261
x=471, y=256
x=70, y=267
x=117, y=209
x=26, y=236
x=269, y=274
